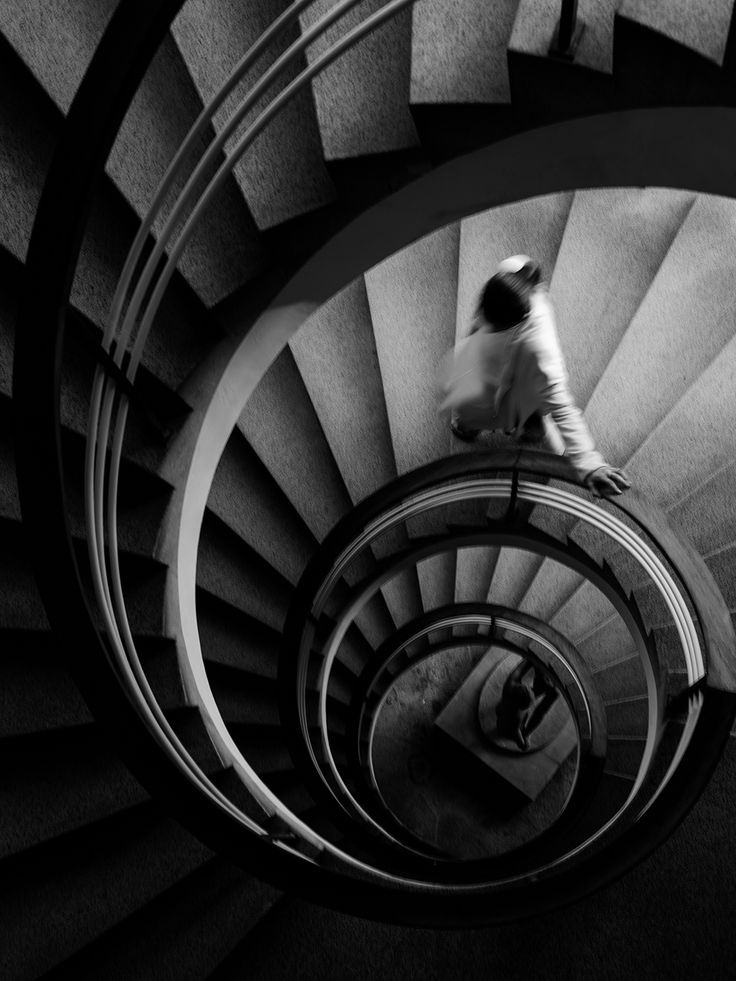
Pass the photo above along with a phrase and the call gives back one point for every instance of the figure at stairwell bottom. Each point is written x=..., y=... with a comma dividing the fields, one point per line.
x=509, y=375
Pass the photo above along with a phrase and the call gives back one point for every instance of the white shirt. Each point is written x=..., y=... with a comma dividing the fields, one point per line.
x=502, y=378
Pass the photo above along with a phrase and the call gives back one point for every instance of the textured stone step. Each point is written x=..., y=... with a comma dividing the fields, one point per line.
x=88, y=885
x=412, y=302
x=187, y=930
x=282, y=175
x=458, y=51
x=230, y=570
x=248, y=500
x=335, y=353
x=224, y=250
x=536, y=23
x=615, y=241
x=362, y=99
x=587, y=609
x=622, y=677
x=628, y=717
x=677, y=331
x=701, y=25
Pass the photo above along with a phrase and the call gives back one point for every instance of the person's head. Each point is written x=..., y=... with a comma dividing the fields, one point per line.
x=506, y=300
x=522, y=265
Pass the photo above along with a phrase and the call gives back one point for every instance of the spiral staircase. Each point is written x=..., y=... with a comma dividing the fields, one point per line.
x=241, y=551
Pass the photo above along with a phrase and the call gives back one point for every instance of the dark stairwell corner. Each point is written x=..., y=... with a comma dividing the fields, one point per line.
x=219, y=739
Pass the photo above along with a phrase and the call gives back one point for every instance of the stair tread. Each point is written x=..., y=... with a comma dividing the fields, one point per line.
x=459, y=55
x=189, y=928
x=362, y=99
x=535, y=26
x=283, y=174
x=701, y=25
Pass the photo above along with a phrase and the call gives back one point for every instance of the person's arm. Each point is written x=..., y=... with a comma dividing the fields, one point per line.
x=541, y=340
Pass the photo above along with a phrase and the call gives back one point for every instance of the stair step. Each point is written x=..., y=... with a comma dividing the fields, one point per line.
x=653, y=67
x=610, y=643
x=627, y=718
x=269, y=524
x=475, y=570
x=586, y=612
x=415, y=287
x=36, y=692
x=230, y=637
x=283, y=174
x=656, y=353
x=362, y=99
x=58, y=782
x=80, y=889
x=459, y=55
x=535, y=26
x=229, y=569
x=346, y=389
x=596, y=256
x=299, y=460
x=623, y=755
x=29, y=126
x=620, y=678
x=185, y=931
x=702, y=26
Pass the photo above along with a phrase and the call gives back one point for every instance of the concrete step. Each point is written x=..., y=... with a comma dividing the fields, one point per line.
x=677, y=331
x=585, y=611
x=230, y=570
x=335, y=353
x=36, y=692
x=609, y=643
x=299, y=459
x=700, y=429
x=230, y=637
x=536, y=23
x=458, y=51
x=549, y=588
x=437, y=580
x=84, y=884
x=613, y=790
x=412, y=297
x=701, y=25
x=475, y=573
x=623, y=754
x=513, y=568
x=72, y=766
x=268, y=522
x=224, y=250
x=627, y=716
x=283, y=174
x=362, y=100
x=189, y=929
x=620, y=677
x=615, y=241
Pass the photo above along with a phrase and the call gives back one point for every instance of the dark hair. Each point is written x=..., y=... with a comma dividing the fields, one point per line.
x=531, y=272
x=505, y=300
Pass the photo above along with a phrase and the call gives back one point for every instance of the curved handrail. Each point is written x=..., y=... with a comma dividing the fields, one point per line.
x=563, y=654
x=451, y=542
x=104, y=390
x=524, y=857
x=465, y=477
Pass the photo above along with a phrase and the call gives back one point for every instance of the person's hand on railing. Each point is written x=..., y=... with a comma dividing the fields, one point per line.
x=607, y=481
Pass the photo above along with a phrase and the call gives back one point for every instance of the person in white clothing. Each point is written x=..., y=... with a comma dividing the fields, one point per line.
x=511, y=376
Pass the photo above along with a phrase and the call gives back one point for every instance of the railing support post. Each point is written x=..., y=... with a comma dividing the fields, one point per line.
x=569, y=31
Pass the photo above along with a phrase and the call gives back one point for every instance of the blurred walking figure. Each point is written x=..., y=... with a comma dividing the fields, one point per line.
x=509, y=374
